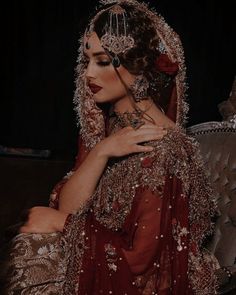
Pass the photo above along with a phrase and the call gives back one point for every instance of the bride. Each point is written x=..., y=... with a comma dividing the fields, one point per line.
x=131, y=217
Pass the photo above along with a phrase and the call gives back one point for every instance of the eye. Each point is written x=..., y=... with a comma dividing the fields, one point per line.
x=103, y=63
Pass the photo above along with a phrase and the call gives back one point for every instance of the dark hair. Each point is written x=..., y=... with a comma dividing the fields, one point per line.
x=142, y=57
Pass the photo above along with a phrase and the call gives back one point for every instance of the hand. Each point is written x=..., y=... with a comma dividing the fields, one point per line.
x=44, y=220
x=126, y=140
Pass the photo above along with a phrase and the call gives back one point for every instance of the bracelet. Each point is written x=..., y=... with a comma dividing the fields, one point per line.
x=228, y=272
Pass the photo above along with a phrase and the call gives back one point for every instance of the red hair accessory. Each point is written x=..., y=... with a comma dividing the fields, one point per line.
x=165, y=65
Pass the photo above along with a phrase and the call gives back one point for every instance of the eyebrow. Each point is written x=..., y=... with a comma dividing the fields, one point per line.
x=96, y=53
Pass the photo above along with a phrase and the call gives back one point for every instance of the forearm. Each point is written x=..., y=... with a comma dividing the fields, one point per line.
x=83, y=182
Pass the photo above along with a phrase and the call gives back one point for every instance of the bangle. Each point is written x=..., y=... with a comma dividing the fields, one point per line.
x=228, y=272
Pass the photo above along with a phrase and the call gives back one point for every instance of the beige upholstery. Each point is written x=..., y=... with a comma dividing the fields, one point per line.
x=218, y=147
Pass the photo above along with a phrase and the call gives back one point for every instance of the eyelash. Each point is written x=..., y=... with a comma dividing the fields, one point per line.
x=103, y=63
x=100, y=63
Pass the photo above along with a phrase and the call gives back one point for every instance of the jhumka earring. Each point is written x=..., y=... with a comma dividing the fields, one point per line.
x=139, y=88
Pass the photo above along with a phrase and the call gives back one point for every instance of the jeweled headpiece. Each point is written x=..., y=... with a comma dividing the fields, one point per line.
x=116, y=39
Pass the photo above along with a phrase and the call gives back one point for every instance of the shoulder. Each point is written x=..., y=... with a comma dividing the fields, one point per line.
x=175, y=141
x=176, y=154
x=176, y=145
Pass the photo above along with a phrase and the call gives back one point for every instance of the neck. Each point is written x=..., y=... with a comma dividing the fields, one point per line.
x=133, y=114
x=152, y=114
x=125, y=105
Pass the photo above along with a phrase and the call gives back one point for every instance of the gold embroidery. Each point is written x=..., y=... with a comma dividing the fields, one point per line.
x=111, y=257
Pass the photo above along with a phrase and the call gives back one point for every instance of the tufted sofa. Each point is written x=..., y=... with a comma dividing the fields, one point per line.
x=218, y=147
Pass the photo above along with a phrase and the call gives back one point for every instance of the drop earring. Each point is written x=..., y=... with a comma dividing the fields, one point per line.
x=115, y=61
x=139, y=88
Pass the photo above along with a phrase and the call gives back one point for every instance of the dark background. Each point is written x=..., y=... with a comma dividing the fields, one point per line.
x=40, y=41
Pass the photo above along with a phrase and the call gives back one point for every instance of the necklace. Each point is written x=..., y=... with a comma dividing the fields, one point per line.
x=133, y=119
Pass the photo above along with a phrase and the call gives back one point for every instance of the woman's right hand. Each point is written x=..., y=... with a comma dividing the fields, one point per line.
x=127, y=140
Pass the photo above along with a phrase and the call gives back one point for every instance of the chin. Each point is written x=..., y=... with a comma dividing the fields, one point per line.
x=99, y=99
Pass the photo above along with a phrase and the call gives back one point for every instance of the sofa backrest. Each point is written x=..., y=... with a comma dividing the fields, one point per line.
x=218, y=147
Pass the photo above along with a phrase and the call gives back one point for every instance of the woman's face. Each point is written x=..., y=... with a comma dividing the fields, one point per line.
x=101, y=76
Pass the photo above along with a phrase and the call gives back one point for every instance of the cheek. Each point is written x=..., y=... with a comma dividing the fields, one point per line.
x=109, y=76
x=111, y=82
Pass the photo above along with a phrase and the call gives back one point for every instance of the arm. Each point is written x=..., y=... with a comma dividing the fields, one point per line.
x=81, y=185
x=76, y=190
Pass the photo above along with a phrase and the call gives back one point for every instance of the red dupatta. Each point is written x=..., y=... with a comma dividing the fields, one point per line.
x=152, y=241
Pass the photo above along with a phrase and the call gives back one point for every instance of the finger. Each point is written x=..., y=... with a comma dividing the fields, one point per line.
x=128, y=128
x=148, y=131
x=149, y=126
x=140, y=148
x=23, y=229
x=28, y=229
x=148, y=137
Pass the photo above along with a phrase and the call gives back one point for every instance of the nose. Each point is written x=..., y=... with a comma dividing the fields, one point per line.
x=90, y=71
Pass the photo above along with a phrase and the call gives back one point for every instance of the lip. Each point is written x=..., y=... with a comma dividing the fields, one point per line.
x=94, y=88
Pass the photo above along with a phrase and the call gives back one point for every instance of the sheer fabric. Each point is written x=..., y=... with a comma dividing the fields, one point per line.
x=152, y=249
x=143, y=257
x=157, y=249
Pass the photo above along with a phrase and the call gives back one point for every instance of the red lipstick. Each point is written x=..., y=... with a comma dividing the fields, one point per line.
x=94, y=88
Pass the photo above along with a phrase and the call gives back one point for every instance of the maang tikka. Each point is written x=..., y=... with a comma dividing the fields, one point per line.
x=116, y=40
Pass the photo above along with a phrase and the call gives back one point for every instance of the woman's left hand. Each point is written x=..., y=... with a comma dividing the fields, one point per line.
x=44, y=220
